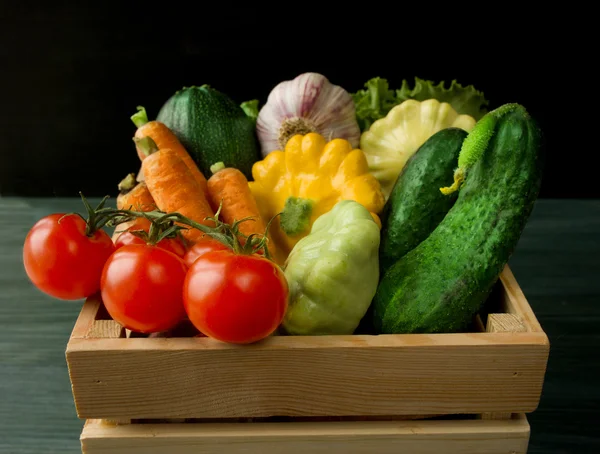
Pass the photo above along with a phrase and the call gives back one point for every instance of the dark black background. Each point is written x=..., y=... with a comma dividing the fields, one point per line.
x=71, y=76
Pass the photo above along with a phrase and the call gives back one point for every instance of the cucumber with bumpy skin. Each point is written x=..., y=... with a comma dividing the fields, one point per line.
x=443, y=282
x=416, y=205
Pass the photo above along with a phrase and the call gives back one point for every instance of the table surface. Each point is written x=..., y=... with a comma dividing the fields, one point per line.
x=556, y=264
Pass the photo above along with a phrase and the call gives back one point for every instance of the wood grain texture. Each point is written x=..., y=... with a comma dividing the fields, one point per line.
x=505, y=323
x=412, y=374
x=37, y=414
x=556, y=263
x=87, y=318
x=106, y=329
x=414, y=437
x=514, y=301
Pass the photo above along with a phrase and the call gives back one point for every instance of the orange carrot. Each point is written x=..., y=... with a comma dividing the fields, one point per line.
x=164, y=138
x=134, y=196
x=228, y=188
x=175, y=189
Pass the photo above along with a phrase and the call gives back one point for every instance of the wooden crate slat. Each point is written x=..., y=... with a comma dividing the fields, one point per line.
x=105, y=329
x=514, y=301
x=505, y=323
x=86, y=318
x=365, y=437
x=307, y=376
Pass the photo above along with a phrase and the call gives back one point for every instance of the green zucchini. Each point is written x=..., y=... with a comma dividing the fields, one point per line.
x=443, y=282
x=416, y=206
x=212, y=128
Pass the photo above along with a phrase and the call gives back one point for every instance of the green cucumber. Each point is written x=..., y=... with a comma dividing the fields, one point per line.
x=416, y=206
x=443, y=282
x=212, y=128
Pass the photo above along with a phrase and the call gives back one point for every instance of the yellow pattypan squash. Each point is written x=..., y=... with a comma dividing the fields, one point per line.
x=307, y=180
x=392, y=140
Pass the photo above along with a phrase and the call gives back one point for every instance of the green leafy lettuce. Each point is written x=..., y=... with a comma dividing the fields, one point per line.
x=377, y=99
x=373, y=102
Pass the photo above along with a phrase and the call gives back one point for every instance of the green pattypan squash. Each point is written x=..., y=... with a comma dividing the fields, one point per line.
x=333, y=272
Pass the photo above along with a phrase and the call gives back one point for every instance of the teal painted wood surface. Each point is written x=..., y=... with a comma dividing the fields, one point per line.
x=556, y=263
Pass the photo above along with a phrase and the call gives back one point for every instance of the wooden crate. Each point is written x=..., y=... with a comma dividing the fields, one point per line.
x=371, y=384
x=467, y=436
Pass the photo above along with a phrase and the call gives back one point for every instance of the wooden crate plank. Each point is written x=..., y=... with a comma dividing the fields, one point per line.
x=86, y=318
x=365, y=437
x=106, y=329
x=503, y=323
x=411, y=374
x=514, y=301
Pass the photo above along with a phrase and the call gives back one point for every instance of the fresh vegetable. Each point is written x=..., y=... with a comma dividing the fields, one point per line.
x=373, y=102
x=307, y=180
x=142, y=286
x=202, y=246
x=235, y=297
x=308, y=103
x=174, y=189
x=333, y=272
x=212, y=128
x=133, y=195
x=251, y=109
x=231, y=293
x=376, y=100
x=228, y=191
x=416, y=205
x=392, y=140
x=465, y=100
x=162, y=137
x=442, y=283
x=133, y=235
x=64, y=254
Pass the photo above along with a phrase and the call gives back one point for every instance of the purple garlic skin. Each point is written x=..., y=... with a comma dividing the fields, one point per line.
x=308, y=103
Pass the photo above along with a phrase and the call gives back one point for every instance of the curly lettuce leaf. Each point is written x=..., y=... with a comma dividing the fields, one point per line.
x=250, y=108
x=377, y=99
x=465, y=100
x=373, y=102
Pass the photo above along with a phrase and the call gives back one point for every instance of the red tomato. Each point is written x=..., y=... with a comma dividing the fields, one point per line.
x=142, y=288
x=61, y=261
x=235, y=298
x=173, y=245
x=202, y=247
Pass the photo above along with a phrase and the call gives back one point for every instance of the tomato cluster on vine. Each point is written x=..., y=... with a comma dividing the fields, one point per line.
x=150, y=278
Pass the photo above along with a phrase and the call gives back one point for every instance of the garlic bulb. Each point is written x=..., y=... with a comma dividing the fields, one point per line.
x=308, y=103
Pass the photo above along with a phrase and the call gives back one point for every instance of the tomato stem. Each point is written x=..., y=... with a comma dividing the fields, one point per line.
x=93, y=222
x=164, y=225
